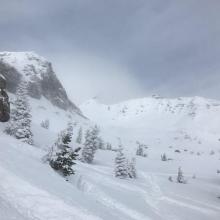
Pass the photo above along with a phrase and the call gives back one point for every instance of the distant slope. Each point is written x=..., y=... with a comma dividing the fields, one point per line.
x=146, y=112
x=39, y=73
x=193, y=119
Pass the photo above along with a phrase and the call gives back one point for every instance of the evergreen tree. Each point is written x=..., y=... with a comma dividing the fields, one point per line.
x=132, y=172
x=45, y=124
x=140, y=149
x=121, y=169
x=101, y=144
x=91, y=144
x=180, y=177
x=19, y=125
x=63, y=158
x=108, y=146
x=79, y=137
x=164, y=157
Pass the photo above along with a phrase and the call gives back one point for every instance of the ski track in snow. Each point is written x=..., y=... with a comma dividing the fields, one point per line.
x=7, y=212
x=197, y=204
x=189, y=206
x=153, y=192
x=108, y=201
x=37, y=204
x=154, y=195
x=149, y=190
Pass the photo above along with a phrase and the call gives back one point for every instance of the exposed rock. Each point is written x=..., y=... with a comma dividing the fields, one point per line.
x=4, y=101
x=38, y=72
x=11, y=75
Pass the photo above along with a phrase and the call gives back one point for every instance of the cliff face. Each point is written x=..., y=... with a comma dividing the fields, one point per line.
x=39, y=74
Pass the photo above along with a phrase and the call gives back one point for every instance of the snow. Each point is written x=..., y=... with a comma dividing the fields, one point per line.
x=158, y=122
x=31, y=190
x=29, y=64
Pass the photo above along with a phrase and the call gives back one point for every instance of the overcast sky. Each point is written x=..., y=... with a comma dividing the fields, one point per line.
x=120, y=49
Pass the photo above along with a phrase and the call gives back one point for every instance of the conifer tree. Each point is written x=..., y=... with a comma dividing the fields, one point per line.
x=132, y=172
x=62, y=157
x=79, y=137
x=19, y=125
x=45, y=124
x=180, y=177
x=164, y=157
x=108, y=146
x=101, y=144
x=121, y=169
x=140, y=149
x=91, y=144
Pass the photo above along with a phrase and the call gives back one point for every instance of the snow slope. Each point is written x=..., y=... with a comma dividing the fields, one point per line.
x=191, y=122
x=41, y=110
x=31, y=190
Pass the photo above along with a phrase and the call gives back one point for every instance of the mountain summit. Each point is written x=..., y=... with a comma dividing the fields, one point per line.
x=38, y=72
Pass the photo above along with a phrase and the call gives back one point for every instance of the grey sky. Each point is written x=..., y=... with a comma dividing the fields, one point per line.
x=120, y=49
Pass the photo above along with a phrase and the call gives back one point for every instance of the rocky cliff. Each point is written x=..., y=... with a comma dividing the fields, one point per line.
x=39, y=74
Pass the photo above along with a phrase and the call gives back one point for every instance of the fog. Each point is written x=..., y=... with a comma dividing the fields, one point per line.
x=120, y=49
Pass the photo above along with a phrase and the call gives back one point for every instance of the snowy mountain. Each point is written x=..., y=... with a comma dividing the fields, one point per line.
x=185, y=129
x=38, y=72
x=191, y=108
x=189, y=121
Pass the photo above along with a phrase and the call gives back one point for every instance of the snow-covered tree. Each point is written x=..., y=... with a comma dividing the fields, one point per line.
x=19, y=125
x=59, y=142
x=121, y=168
x=108, y=146
x=91, y=144
x=164, y=157
x=62, y=156
x=132, y=172
x=45, y=124
x=101, y=144
x=180, y=177
x=79, y=136
x=140, y=149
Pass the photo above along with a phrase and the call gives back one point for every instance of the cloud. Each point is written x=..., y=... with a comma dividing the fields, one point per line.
x=166, y=47
x=87, y=76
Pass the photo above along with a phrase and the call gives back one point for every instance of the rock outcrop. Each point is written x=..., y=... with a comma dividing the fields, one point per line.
x=4, y=101
x=38, y=72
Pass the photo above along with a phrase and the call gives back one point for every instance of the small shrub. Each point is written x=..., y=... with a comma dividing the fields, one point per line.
x=170, y=178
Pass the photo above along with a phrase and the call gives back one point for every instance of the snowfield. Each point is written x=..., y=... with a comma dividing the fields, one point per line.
x=31, y=190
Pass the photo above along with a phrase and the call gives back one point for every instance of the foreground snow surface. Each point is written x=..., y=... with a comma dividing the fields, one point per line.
x=29, y=189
